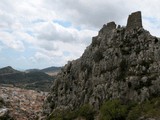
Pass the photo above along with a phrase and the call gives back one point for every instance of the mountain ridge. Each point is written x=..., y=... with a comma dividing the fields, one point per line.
x=8, y=70
x=51, y=69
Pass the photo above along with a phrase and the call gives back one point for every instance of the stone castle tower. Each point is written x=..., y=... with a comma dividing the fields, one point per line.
x=134, y=21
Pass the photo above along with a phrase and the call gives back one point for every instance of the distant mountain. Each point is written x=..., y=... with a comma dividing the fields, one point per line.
x=36, y=80
x=8, y=70
x=32, y=70
x=51, y=69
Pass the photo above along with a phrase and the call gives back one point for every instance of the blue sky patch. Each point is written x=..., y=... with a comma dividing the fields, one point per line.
x=152, y=20
x=30, y=33
x=66, y=53
x=78, y=28
x=63, y=23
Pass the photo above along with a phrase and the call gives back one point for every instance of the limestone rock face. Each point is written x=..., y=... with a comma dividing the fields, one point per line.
x=121, y=62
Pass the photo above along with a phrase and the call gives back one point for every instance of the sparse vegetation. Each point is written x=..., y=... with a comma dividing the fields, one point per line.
x=86, y=111
x=113, y=110
x=148, y=109
x=98, y=55
x=63, y=115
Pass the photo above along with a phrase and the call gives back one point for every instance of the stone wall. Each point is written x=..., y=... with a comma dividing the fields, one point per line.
x=134, y=21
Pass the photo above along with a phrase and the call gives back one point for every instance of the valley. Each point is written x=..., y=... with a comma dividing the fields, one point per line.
x=22, y=93
x=34, y=79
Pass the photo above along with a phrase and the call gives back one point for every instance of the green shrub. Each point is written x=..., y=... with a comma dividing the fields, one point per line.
x=70, y=115
x=151, y=108
x=98, y=55
x=148, y=109
x=63, y=115
x=113, y=110
x=134, y=114
x=87, y=112
x=56, y=115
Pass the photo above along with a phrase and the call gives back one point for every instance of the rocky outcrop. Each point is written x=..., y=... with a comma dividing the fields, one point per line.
x=121, y=62
x=4, y=112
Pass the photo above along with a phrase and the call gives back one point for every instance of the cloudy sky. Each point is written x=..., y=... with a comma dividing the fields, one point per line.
x=43, y=33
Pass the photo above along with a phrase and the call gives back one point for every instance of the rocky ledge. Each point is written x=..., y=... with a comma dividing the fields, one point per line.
x=121, y=62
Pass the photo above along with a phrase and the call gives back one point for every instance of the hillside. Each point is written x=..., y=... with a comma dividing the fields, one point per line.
x=116, y=78
x=32, y=70
x=31, y=80
x=51, y=69
x=8, y=70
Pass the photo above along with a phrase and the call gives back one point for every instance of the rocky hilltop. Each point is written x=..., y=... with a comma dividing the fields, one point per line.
x=121, y=63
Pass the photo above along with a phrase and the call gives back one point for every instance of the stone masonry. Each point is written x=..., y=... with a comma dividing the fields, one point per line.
x=134, y=21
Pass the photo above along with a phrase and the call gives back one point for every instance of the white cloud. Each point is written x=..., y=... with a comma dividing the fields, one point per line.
x=95, y=13
x=30, y=25
x=55, y=32
x=10, y=41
